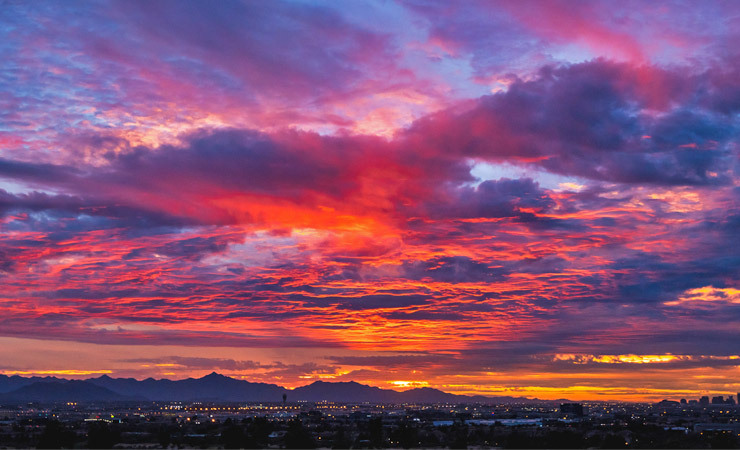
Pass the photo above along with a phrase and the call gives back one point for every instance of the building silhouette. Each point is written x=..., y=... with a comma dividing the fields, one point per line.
x=572, y=409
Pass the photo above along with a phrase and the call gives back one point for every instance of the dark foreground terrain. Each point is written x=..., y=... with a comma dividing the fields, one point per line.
x=334, y=425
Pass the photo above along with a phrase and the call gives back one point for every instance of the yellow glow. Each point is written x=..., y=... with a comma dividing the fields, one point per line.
x=324, y=376
x=408, y=384
x=571, y=186
x=707, y=294
x=636, y=359
x=617, y=359
x=678, y=201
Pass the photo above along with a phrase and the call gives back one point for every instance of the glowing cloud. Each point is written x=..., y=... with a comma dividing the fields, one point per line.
x=503, y=198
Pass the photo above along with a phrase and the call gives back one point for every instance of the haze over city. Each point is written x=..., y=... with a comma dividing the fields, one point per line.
x=522, y=198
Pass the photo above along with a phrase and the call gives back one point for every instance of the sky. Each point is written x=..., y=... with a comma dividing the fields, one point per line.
x=530, y=198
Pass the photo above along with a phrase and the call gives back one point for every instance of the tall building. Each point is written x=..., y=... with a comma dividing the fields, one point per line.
x=718, y=400
x=704, y=400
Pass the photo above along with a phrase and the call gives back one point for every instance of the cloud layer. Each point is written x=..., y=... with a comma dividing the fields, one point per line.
x=523, y=209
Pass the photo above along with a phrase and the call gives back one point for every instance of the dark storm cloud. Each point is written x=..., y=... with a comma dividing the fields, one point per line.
x=491, y=199
x=594, y=120
x=36, y=172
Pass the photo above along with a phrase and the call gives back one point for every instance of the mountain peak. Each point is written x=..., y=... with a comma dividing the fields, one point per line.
x=214, y=376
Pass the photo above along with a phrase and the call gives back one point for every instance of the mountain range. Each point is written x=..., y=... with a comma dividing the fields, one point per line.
x=215, y=388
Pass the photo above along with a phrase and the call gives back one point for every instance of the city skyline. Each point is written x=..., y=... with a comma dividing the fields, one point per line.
x=529, y=199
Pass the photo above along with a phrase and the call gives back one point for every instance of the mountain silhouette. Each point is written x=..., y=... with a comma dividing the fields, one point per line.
x=11, y=383
x=351, y=391
x=218, y=388
x=212, y=387
x=62, y=391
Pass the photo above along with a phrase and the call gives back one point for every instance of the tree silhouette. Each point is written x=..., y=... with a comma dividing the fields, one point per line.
x=56, y=435
x=298, y=437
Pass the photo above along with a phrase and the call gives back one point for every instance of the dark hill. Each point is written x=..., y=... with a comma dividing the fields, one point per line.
x=11, y=383
x=62, y=391
x=350, y=391
x=212, y=387
x=218, y=388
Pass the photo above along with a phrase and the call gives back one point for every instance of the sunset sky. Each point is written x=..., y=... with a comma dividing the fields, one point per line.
x=527, y=198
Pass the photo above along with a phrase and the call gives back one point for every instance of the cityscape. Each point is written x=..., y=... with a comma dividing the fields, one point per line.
x=366, y=425
x=369, y=224
x=45, y=414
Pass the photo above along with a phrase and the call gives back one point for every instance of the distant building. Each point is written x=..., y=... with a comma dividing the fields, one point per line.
x=731, y=427
x=667, y=403
x=718, y=400
x=572, y=409
x=693, y=402
x=704, y=400
x=683, y=401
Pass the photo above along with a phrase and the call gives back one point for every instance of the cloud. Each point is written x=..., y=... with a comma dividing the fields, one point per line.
x=591, y=120
x=194, y=362
x=529, y=184
x=392, y=361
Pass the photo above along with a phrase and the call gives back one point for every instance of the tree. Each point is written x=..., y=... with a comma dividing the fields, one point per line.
x=406, y=435
x=56, y=435
x=298, y=436
x=259, y=429
x=375, y=429
x=340, y=439
x=233, y=437
x=101, y=435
